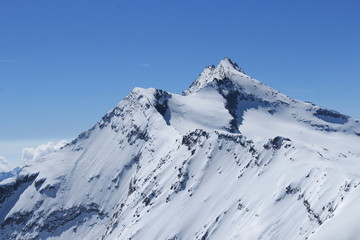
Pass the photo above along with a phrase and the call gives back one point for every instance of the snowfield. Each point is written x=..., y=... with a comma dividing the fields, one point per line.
x=231, y=158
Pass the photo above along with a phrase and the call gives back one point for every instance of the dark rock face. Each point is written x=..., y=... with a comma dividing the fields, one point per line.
x=13, y=173
x=136, y=133
x=194, y=137
x=59, y=218
x=29, y=221
x=277, y=142
x=331, y=116
x=161, y=103
x=232, y=96
x=9, y=189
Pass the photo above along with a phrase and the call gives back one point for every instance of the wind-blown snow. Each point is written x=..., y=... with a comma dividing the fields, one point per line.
x=231, y=158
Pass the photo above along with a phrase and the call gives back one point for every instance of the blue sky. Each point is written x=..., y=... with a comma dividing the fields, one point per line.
x=63, y=64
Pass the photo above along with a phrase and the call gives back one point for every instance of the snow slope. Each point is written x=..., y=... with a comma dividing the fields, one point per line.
x=231, y=158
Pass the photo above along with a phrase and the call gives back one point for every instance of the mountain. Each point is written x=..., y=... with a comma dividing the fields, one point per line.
x=231, y=158
x=8, y=174
x=5, y=170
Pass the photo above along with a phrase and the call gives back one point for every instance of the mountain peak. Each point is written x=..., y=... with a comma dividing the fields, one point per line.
x=228, y=64
x=226, y=69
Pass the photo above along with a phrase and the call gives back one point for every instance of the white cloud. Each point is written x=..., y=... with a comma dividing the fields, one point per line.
x=33, y=154
x=4, y=165
x=145, y=64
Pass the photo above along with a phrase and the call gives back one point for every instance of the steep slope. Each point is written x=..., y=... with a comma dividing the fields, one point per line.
x=231, y=158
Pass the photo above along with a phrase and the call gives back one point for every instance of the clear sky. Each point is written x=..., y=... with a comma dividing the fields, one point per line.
x=64, y=64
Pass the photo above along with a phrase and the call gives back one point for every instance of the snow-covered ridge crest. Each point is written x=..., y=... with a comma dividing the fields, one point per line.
x=224, y=96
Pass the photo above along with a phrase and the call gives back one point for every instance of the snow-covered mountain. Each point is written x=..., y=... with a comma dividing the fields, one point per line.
x=8, y=174
x=6, y=171
x=231, y=158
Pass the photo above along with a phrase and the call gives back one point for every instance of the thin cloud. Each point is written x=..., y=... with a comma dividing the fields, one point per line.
x=7, y=61
x=297, y=90
x=145, y=64
x=4, y=165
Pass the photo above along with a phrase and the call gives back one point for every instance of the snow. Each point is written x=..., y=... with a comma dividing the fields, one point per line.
x=344, y=226
x=230, y=159
x=204, y=109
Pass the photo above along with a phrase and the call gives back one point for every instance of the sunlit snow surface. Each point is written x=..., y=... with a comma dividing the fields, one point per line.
x=229, y=159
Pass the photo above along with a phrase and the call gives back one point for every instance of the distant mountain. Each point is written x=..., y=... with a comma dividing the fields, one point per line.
x=5, y=170
x=231, y=158
x=13, y=173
